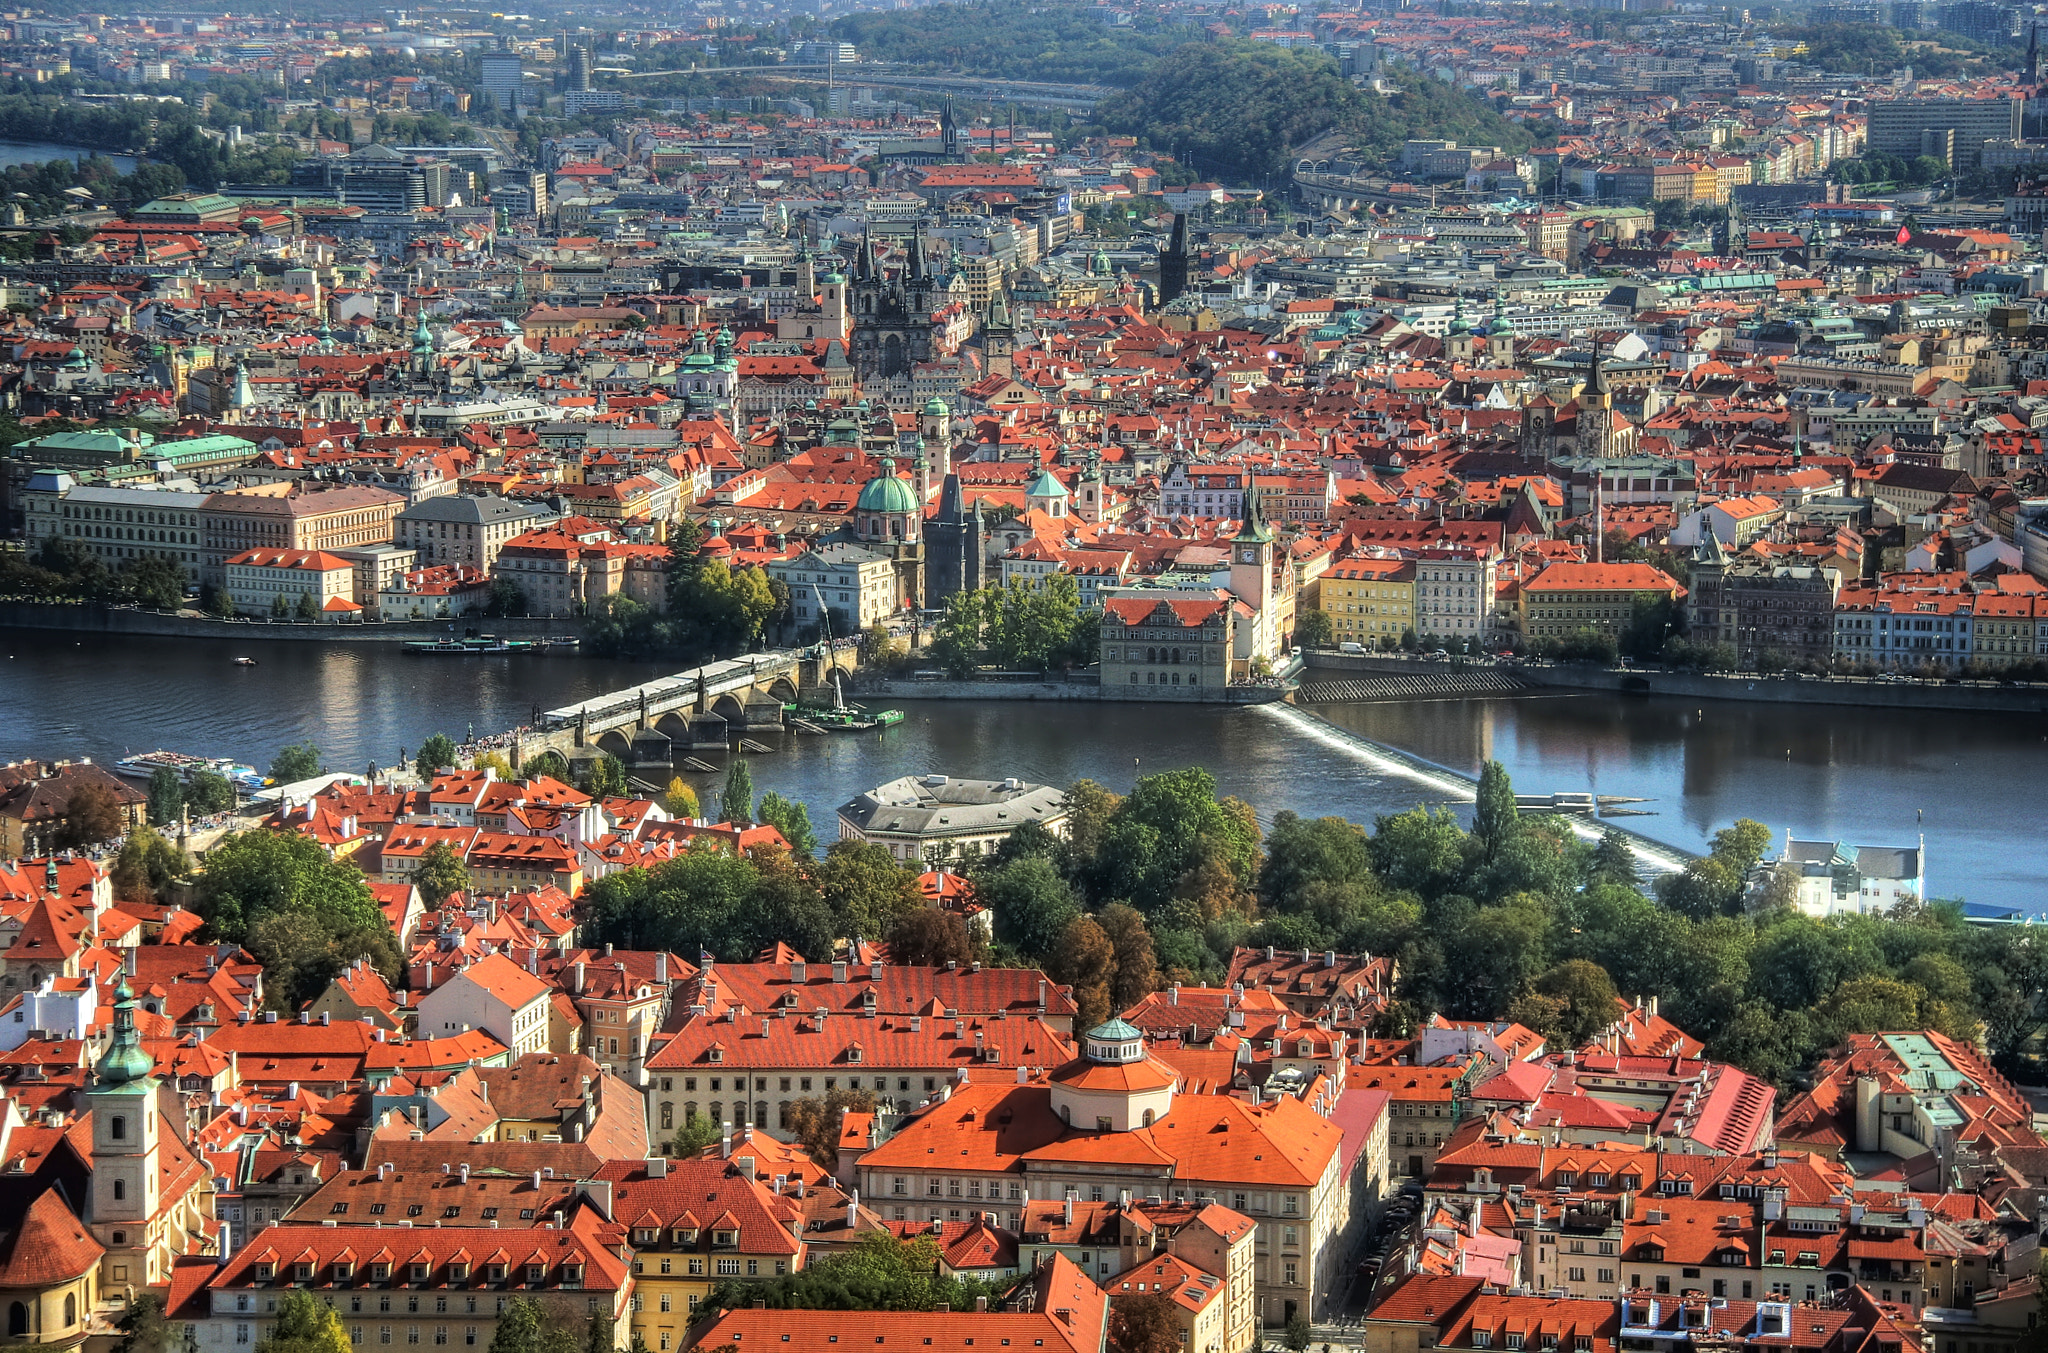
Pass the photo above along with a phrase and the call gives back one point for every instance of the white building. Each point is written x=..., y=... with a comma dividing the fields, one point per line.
x=856, y=584
x=258, y=579
x=1835, y=878
x=936, y=817
x=1454, y=594
x=113, y=525
x=493, y=994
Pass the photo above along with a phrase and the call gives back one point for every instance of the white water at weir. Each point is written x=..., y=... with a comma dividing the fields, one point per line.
x=1455, y=788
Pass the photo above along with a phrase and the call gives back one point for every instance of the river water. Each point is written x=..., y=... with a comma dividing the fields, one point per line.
x=1967, y=781
x=42, y=152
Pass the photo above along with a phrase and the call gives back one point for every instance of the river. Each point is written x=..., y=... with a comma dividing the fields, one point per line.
x=1869, y=778
x=42, y=152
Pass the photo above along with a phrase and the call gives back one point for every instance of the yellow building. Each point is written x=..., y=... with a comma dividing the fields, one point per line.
x=694, y=1224
x=1370, y=601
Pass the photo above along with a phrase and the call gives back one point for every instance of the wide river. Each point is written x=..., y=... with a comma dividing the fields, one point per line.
x=1862, y=776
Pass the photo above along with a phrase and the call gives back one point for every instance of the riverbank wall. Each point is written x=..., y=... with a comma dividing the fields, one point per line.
x=83, y=618
x=883, y=688
x=1868, y=694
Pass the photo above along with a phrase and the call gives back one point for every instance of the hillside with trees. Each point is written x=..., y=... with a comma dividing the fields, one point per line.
x=1235, y=110
x=1014, y=41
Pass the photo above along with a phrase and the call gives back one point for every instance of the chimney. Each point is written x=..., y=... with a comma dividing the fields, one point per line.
x=383, y=1171
x=1067, y=1210
x=853, y=1210
x=725, y=1141
x=661, y=966
x=1022, y=1076
x=1173, y=994
x=657, y=1167
x=981, y=1304
x=465, y=1172
x=576, y=977
x=839, y=972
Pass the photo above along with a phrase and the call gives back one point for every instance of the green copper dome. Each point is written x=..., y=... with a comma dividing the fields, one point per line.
x=886, y=493
x=842, y=432
x=125, y=1062
x=1046, y=486
x=936, y=407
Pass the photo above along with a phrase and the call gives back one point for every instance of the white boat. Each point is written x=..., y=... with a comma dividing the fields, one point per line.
x=145, y=764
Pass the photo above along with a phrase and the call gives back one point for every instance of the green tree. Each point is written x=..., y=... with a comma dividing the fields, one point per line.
x=736, y=803
x=1418, y=851
x=1586, y=996
x=1495, y=818
x=300, y=761
x=867, y=889
x=306, y=610
x=144, y=1328
x=147, y=867
x=679, y=801
x=1704, y=888
x=439, y=874
x=211, y=792
x=166, y=797
x=607, y=779
x=1173, y=836
x=793, y=819
x=304, y=1324
x=1740, y=846
x=549, y=763
x=436, y=754
x=1031, y=903
x=696, y=1133
x=1296, y=1333
x=1314, y=629
x=1302, y=852
x=1614, y=861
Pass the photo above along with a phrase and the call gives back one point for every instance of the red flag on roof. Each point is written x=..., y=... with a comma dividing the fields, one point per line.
x=1904, y=234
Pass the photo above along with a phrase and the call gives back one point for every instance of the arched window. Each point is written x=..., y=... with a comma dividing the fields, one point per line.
x=120, y=1189
x=117, y=1129
x=17, y=1318
x=70, y=1309
x=1147, y=1120
x=668, y=1115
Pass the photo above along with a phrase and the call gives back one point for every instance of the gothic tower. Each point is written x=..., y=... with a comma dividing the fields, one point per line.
x=1596, y=412
x=999, y=338
x=1174, y=261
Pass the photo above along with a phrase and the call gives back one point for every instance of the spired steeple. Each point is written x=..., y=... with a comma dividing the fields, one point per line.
x=1254, y=529
x=124, y=1063
x=1596, y=382
x=244, y=396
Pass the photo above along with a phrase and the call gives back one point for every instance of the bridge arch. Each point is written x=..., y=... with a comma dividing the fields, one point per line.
x=617, y=742
x=730, y=708
x=783, y=689
x=675, y=723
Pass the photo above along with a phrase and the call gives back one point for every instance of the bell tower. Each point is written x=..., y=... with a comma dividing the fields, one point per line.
x=126, y=1145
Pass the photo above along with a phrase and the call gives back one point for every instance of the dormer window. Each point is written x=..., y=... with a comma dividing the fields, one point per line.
x=344, y=1271
x=497, y=1273
x=716, y=1055
x=536, y=1272
x=264, y=1272
x=725, y=1239
x=302, y=1272
x=380, y=1272
x=419, y=1273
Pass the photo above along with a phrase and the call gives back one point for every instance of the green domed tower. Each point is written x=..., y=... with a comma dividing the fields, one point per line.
x=126, y=1192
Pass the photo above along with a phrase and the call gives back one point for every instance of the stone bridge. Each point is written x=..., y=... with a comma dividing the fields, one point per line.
x=706, y=707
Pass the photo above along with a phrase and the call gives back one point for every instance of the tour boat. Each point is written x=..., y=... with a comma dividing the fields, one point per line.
x=145, y=764
x=245, y=662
